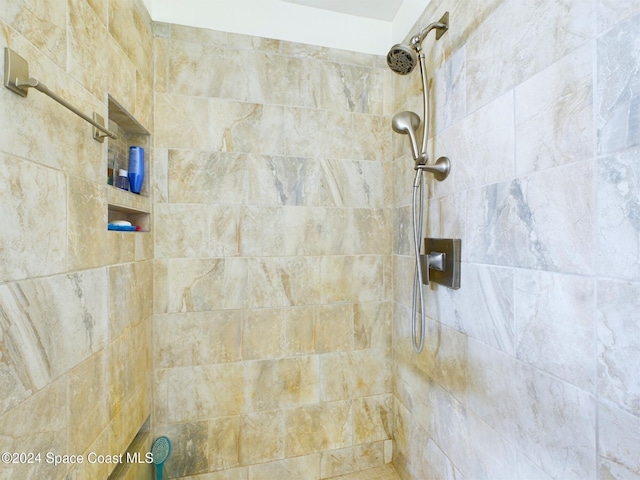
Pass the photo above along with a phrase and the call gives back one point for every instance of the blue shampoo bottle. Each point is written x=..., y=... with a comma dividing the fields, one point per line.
x=136, y=168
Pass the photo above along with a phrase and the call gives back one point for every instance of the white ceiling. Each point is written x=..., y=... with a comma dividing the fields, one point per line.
x=379, y=9
x=369, y=26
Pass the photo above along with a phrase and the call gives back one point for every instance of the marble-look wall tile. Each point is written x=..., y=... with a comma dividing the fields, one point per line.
x=315, y=428
x=305, y=466
x=87, y=35
x=444, y=358
x=143, y=106
x=351, y=184
x=283, y=383
x=318, y=133
x=194, y=393
x=82, y=380
x=618, y=201
x=550, y=420
x=612, y=12
x=298, y=80
x=352, y=459
x=282, y=160
x=372, y=325
x=403, y=276
x=283, y=181
x=130, y=25
x=284, y=281
x=554, y=114
x=403, y=231
x=38, y=424
x=129, y=295
x=197, y=285
x=261, y=437
x=487, y=454
x=268, y=224
x=520, y=223
x=352, y=278
x=450, y=215
x=488, y=152
x=350, y=88
x=207, y=177
x=448, y=94
x=372, y=137
x=88, y=405
x=418, y=455
x=300, y=330
x=20, y=15
x=42, y=131
x=483, y=308
x=223, y=438
x=204, y=36
x=354, y=374
x=179, y=340
x=160, y=176
x=618, y=347
x=87, y=216
x=618, y=442
x=555, y=325
x=263, y=334
x=247, y=127
x=334, y=328
x=181, y=122
x=559, y=27
x=28, y=194
x=51, y=324
x=372, y=418
x=196, y=67
x=189, y=449
x=618, y=77
x=121, y=80
x=308, y=231
x=192, y=230
x=161, y=47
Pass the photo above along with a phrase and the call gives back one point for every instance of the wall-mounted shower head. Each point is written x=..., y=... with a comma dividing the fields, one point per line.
x=402, y=59
x=407, y=123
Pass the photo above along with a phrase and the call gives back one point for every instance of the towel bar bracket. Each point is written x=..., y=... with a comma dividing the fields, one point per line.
x=16, y=79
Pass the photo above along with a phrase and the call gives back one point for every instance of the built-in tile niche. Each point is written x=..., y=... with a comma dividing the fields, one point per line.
x=122, y=204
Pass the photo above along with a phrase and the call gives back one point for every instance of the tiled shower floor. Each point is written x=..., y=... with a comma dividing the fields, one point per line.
x=385, y=472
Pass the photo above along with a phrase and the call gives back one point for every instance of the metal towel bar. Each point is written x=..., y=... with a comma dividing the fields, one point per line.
x=16, y=79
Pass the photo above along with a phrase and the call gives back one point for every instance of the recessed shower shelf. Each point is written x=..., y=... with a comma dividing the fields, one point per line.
x=122, y=204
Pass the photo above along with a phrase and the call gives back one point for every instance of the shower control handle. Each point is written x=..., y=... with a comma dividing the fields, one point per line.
x=431, y=261
x=436, y=261
x=442, y=265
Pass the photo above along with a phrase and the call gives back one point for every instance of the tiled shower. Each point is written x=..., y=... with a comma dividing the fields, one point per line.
x=263, y=323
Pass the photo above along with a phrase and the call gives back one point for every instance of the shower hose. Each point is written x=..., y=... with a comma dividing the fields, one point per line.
x=418, y=292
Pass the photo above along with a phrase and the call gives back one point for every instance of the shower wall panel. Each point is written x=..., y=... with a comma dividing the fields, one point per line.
x=530, y=368
x=75, y=299
x=273, y=277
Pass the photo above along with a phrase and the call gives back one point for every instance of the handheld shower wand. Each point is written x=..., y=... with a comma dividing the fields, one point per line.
x=402, y=59
x=408, y=123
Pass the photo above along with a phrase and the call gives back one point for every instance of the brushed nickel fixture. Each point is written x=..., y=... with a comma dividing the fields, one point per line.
x=442, y=263
x=16, y=79
x=402, y=59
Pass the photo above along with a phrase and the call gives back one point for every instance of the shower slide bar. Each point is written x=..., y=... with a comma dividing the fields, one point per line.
x=16, y=79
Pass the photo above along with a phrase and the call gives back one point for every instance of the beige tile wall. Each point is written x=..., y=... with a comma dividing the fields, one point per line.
x=75, y=300
x=273, y=276
x=531, y=366
x=279, y=263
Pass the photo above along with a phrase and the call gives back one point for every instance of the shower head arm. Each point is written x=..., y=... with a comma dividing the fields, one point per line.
x=441, y=25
